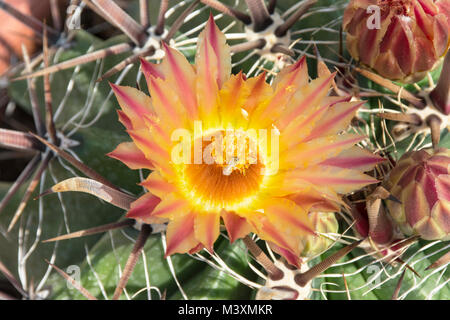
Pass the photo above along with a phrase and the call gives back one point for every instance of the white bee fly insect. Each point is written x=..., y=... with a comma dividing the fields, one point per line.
x=230, y=167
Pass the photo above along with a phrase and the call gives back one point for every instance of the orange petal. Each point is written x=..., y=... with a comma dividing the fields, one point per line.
x=180, y=235
x=171, y=207
x=142, y=208
x=196, y=249
x=159, y=131
x=315, y=151
x=207, y=228
x=299, y=128
x=354, y=158
x=237, y=227
x=340, y=180
x=180, y=76
x=313, y=200
x=336, y=119
x=269, y=232
x=260, y=91
x=286, y=84
x=157, y=185
x=293, y=75
x=207, y=89
x=317, y=198
x=216, y=40
x=290, y=257
x=309, y=96
x=134, y=103
x=288, y=217
x=158, y=155
x=123, y=118
x=132, y=156
x=151, y=70
x=167, y=105
x=233, y=97
x=213, y=63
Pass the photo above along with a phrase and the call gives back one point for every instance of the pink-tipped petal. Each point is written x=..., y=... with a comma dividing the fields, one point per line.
x=336, y=119
x=220, y=49
x=354, y=158
x=300, y=128
x=142, y=208
x=132, y=156
x=154, y=152
x=237, y=227
x=341, y=180
x=157, y=185
x=313, y=200
x=269, y=232
x=180, y=235
x=295, y=74
x=309, y=97
x=180, y=74
x=171, y=207
x=151, y=70
x=207, y=228
x=290, y=257
x=288, y=216
x=134, y=103
x=167, y=106
x=123, y=119
x=317, y=150
x=213, y=61
x=207, y=87
x=233, y=97
x=285, y=86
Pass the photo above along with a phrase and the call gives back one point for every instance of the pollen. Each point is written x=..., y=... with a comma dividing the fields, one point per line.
x=230, y=173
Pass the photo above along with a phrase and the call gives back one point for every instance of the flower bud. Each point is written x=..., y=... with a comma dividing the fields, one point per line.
x=401, y=40
x=421, y=181
x=323, y=222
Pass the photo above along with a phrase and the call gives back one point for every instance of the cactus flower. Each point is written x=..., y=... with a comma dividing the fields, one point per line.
x=421, y=181
x=286, y=150
x=401, y=40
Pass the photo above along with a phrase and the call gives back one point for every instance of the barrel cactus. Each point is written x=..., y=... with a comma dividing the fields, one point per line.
x=332, y=219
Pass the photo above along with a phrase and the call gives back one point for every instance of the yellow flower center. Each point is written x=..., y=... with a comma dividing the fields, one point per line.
x=231, y=172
